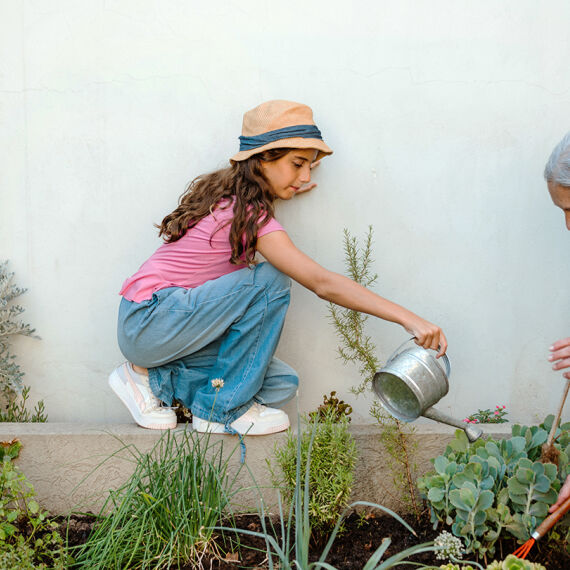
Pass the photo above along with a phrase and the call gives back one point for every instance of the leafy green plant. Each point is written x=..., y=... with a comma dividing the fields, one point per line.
x=484, y=489
x=357, y=347
x=333, y=459
x=331, y=404
x=496, y=416
x=28, y=538
x=17, y=409
x=47, y=551
x=164, y=515
x=12, y=390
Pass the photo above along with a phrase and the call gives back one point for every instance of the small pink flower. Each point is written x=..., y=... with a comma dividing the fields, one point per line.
x=466, y=420
x=498, y=407
x=473, y=421
x=497, y=413
x=504, y=407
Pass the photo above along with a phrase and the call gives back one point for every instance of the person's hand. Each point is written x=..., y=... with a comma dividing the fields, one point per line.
x=427, y=334
x=310, y=185
x=562, y=496
x=560, y=356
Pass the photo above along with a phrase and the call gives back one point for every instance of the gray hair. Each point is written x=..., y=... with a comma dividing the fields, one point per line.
x=557, y=168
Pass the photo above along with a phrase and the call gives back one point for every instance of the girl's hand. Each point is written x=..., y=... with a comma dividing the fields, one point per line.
x=426, y=334
x=560, y=356
x=311, y=185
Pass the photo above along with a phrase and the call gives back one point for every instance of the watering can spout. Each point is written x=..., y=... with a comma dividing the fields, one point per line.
x=473, y=433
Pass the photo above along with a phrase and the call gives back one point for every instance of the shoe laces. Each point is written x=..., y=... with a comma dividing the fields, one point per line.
x=153, y=403
x=257, y=407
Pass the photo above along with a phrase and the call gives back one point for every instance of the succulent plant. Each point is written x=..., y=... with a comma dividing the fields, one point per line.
x=483, y=489
x=532, y=489
x=450, y=546
x=511, y=562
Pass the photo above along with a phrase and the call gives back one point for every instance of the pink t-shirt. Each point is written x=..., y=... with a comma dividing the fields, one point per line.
x=191, y=260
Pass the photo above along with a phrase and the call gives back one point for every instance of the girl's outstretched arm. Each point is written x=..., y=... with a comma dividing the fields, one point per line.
x=280, y=251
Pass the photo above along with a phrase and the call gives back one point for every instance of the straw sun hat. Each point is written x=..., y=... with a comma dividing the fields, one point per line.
x=279, y=124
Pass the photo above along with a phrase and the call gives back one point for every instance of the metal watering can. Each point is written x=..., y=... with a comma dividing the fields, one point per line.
x=411, y=382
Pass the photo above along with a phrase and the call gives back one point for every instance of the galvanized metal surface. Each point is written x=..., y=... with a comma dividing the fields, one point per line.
x=412, y=382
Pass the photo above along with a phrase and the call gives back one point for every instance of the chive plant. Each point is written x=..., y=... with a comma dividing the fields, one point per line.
x=164, y=515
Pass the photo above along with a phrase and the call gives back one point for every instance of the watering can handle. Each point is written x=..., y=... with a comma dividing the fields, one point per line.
x=444, y=357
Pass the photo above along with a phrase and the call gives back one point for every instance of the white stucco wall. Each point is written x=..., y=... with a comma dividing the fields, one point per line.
x=441, y=114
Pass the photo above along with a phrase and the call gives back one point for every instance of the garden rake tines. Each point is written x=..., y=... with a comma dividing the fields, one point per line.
x=543, y=528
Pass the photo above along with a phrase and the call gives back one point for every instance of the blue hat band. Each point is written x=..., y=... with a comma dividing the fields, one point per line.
x=298, y=131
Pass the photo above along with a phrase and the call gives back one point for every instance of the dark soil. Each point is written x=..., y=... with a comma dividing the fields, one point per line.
x=76, y=528
x=362, y=537
x=351, y=550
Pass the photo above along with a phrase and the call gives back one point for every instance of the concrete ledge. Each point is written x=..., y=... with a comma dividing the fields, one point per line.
x=60, y=460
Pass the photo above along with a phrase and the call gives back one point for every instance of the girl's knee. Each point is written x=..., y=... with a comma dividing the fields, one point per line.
x=266, y=273
x=289, y=380
x=292, y=385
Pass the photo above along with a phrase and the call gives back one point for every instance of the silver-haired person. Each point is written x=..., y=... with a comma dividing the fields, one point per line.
x=557, y=175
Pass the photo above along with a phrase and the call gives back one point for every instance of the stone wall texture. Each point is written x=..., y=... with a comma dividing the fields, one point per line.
x=73, y=466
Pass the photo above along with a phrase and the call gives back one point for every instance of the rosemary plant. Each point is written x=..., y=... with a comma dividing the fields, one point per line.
x=333, y=460
x=356, y=347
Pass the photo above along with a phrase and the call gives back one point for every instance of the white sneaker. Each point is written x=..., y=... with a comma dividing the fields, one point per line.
x=134, y=391
x=258, y=420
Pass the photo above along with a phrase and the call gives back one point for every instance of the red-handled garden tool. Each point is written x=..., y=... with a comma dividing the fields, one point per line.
x=544, y=527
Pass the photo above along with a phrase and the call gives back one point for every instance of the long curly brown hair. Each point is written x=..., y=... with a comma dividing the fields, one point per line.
x=245, y=184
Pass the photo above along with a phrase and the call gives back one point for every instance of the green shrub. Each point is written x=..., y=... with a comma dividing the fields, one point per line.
x=338, y=408
x=333, y=459
x=163, y=516
x=488, y=416
x=28, y=539
x=489, y=487
x=42, y=553
x=17, y=410
x=12, y=390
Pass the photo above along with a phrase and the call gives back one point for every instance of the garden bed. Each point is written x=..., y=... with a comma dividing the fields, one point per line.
x=186, y=483
x=350, y=550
